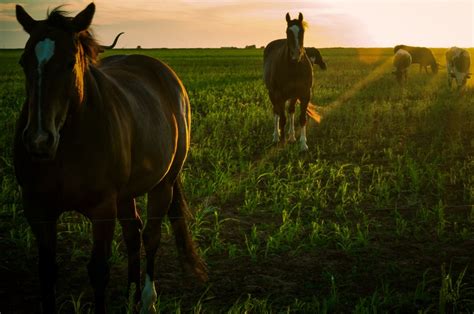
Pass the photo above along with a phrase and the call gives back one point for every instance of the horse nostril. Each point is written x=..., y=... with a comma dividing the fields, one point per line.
x=38, y=142
x=40, y=139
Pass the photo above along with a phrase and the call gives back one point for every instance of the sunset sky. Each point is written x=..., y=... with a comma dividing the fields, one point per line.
x=206, y=23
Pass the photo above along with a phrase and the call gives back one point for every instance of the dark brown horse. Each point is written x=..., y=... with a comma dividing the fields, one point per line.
x=315, y=57
x=421, y=55
x=93, y=135
x=288, y=75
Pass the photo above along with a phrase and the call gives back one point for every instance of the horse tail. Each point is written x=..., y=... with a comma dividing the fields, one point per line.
x=311, y=111
x=179, y=214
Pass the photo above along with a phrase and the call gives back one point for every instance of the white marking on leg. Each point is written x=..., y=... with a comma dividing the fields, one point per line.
x=276, y=130
x=291, y=131
x=149, y=297
x=303, y=145
x=44, y=51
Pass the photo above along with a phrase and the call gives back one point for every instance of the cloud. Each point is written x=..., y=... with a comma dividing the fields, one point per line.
x=210, y=23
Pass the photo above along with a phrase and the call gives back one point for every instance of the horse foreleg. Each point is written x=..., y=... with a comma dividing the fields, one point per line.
x=279, y=119
x=98, y=268
x=291, y=111
x=159, y=200
x=303, y=120
x=45, y=233
x=131, y=225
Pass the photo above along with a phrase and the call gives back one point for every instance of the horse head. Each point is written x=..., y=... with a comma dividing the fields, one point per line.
x=295, y=37
x=54, y=61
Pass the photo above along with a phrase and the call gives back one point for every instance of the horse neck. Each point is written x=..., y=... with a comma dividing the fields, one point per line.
x=92, y=105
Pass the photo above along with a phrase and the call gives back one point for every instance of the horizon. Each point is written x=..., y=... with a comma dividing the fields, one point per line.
x=186, y=24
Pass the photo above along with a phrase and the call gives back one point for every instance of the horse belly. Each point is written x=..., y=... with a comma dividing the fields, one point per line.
x=295, y=89
x=152, y=158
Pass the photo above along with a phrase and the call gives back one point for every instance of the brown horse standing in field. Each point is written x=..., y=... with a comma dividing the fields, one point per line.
x=421, y=55
x=288, y=75
x=93, y=135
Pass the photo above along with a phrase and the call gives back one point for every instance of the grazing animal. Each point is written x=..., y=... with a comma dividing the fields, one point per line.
x=401, y=61
x=288, y=75
x=315, y=56
x=458, y=63
x=92, y=135
x=421, y=55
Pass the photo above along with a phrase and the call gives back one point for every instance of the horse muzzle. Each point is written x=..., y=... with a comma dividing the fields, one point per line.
x=41, y=145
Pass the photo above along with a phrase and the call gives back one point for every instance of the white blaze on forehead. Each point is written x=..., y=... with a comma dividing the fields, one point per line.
x=44, y=51
x=296, y=30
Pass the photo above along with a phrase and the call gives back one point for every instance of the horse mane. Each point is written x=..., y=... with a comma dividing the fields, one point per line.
x=296, y=22
x=305, y=25
x=59, y=18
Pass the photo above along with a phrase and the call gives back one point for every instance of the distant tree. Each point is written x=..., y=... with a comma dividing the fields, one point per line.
x=251, y=47
x=139, y=47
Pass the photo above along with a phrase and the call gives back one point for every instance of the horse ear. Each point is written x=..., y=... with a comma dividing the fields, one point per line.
x=288, y=18
x=24, y=19
x=83, y=19
x=300, y=17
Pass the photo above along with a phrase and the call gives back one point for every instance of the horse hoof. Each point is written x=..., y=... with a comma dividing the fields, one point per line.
x=304, y=147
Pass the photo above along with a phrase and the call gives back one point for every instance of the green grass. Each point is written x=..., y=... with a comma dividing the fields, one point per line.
x=378, y=215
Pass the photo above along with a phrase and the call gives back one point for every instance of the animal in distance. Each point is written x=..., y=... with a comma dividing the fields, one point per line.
x=458, y=63
x=288, y=75
x=401, y=61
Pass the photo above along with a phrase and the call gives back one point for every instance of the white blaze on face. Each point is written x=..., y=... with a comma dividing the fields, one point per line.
x=149, y=296
x=44, y=51
x=296, y=31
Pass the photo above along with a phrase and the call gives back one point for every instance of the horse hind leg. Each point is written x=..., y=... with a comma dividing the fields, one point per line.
x=159, y=200
x=131, y=226
x=291, y=111
x=178, y=215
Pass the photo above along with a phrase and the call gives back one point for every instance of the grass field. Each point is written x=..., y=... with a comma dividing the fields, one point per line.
x=378, y=215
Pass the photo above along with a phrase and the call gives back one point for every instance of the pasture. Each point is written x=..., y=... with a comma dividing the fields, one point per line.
x=377, y=216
